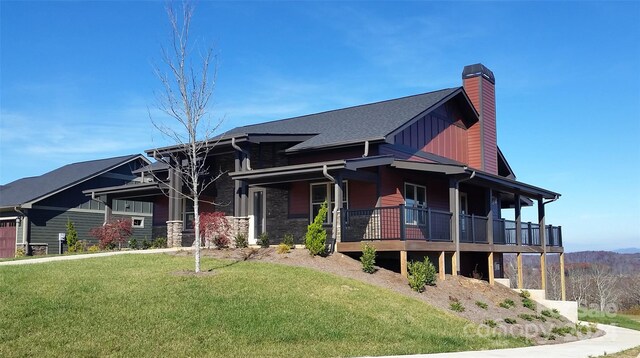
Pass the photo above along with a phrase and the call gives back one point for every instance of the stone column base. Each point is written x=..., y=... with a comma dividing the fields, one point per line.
x=174, y=233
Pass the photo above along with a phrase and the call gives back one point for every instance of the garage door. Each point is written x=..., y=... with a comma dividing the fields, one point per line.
x=7, y=238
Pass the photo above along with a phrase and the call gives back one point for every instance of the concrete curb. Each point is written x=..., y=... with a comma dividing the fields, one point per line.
x=89, y=256
x=616, y=339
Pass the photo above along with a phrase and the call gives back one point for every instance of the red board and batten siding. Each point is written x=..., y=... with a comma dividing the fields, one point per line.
x=486, y=128
x=392, y=188
x=361, y=195
x=440, y=132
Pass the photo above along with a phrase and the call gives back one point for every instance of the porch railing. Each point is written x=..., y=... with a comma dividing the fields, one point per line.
x=395, y=223
x=411, y=223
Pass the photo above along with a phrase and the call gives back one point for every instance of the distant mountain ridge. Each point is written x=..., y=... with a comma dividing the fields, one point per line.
x=628, y=250
x=620, y=263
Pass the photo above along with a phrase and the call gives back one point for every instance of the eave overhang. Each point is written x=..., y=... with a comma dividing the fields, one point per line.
x=129, y=191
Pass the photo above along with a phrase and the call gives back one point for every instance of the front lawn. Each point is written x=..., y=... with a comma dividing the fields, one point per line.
x=614, y=319
x=143, y=305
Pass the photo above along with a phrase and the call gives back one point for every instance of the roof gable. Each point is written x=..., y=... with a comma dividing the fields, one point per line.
x=31, y=189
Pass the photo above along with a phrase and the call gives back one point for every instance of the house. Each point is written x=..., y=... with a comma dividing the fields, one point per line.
x=34, y=210
x=414, y=176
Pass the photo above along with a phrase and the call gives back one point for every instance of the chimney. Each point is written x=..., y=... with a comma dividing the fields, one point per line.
x=479, y=84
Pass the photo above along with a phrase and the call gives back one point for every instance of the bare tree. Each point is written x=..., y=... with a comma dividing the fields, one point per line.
x=579, y=284
x=187, y=89
x=604, y=285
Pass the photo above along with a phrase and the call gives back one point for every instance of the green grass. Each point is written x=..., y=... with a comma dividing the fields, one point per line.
x=132, y=305
x=629, y=353
x=620, y=320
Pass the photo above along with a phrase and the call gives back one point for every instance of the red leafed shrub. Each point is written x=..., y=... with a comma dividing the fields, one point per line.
x=215, y=228
x=113, y=233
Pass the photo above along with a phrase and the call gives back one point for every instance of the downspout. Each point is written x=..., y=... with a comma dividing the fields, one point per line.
x=366, y=149
x=457, y=223
x=551, y=201
x=93, y=197
x=334, y=214
x=246, y=154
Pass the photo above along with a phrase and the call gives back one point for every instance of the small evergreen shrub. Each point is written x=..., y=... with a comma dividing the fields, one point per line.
x=241, y=241
x=482, y=305
x=288, y=240
x=421, y=273
x=456, y=306
x=71, y=235
x=159, y=243
x=582, y=329
x=316, y=236
x=510, y=320
x=263, y=240
x=529, y=303
x=562, y=331
x=283, y=249
x=133, y=243
x=221, y=242
x=525, y=294
x=526, y=317
x=491, y=323
x=94, y=248
x=145, y=244
x=507, y=303
x=368, y=258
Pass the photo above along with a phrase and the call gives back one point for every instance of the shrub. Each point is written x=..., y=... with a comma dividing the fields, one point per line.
x=112, y=233
x=316, y=236
x=582, y=329
x=283, y=248
x=288, y=240
x=526, y=317
x=456, y=306
x=145, y=244
x=421, y=273
x=540, y=318
x=263, y=239
x=507, y=303
x=481, y=305
x=525, y=294
x=368, y=259
x=593, y=327
x=133, y=243
x=241, y=241
x=529, y=303
x=215, y=228
x=94, y=248
x=491, y=323
x=71, y=235
x=79, y=246
x=510, y=320
x=563, y=331
x=552, y=337
x=159, y=243
x=20, y=252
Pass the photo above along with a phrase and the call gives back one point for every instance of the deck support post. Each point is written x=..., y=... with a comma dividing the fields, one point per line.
x=517, y=210
x=108, y=209
x=491, y=272
x=563, y=289
x=403, y=263
x=519, y=269
x=454, y=264
x=542, y=232
x=441, y=266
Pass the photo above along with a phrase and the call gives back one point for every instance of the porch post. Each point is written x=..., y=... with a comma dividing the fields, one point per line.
x=490, y=263
x=489, y=217
x=543, y=241
x=563, y=290
x=519, y=269
x=454, y=207
x=175, y=223
x=403, y=263
x=441, y=266
x=518, y=220
x=108, y=209
x=336, y=211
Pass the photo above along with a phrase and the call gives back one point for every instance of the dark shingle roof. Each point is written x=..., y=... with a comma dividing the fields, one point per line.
x=349, y=125
x=29, y=189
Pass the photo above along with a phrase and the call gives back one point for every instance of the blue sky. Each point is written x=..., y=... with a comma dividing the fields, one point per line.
x=76, y=82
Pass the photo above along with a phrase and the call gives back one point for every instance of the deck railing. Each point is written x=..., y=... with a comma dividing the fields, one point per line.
x=411, y=223
x=395, y=223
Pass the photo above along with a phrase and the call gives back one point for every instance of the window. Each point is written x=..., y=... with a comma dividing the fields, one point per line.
x=189, y=215
x=319, y=195
x=137, y=222
x=415, y=198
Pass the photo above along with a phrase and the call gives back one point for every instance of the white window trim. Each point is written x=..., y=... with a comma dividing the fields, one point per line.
x=329, y=188
x=134, y=218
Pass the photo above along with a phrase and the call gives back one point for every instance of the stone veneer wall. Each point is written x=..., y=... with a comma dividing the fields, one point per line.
x=174, y=233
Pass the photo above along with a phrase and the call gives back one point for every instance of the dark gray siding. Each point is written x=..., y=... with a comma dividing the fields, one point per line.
x=46, y=224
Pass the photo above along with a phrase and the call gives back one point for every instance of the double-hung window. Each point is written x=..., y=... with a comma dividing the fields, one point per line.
x=415, y=199
x=321, y=192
